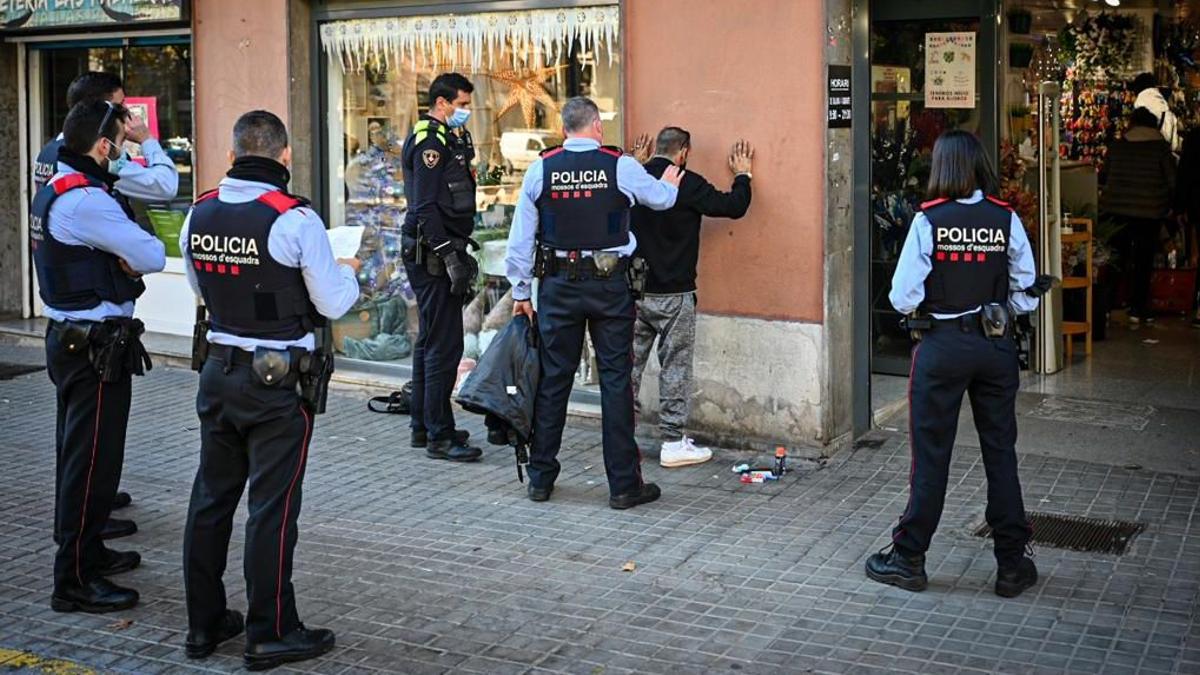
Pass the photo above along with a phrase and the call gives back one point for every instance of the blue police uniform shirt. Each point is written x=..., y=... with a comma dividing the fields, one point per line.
x=158, y=181
x=908, y=283
x=632, y=180
x=298, y=239
x=89, y=216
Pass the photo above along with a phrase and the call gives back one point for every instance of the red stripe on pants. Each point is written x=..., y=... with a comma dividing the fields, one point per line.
x=287, y=503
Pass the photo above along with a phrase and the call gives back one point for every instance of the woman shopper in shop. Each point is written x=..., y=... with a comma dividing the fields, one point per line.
x=1138, y=192
x=966, y=268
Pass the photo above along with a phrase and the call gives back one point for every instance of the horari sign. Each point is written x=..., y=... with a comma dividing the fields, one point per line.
x=30, y=15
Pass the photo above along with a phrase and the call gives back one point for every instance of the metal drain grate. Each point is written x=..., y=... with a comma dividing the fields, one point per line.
x=1091, y=535
x=10, y=370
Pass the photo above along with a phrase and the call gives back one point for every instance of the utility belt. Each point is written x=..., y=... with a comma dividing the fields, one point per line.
x=993, y=320
x=599, y=265
x=114, y=345
x=272, y=368
x=418, y=251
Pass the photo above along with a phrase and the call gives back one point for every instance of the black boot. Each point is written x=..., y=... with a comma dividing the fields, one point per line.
x=537, y=494
x=116, y=562
x=420, y=438
x=453, y=451
x=1012, y=581
x=299, y=645
x=898, y=569
x=202, y=642
x=116, y=528
x=98, y=596
x=122, y=500
x=645, y=494
x=498, y=436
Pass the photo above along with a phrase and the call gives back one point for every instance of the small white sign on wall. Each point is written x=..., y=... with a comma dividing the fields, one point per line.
x=950, y=70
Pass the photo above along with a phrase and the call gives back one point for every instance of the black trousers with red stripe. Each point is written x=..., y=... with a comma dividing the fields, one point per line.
x=252, y=434
x=89, y=446
x=605, y=309
x=956, y=359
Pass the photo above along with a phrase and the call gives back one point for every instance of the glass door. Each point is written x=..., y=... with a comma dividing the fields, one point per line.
x=909, y=109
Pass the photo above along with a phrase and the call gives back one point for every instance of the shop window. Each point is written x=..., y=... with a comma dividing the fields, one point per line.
x=158, y=86
x=524, y=66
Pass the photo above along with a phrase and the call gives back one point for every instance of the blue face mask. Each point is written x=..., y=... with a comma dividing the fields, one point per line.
x=459, y=118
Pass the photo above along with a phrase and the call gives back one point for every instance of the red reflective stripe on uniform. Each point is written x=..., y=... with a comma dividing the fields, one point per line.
x=553, y=195
x=220, y=269
x=941, y=255
x=197, y=265
x=551, y=153
x=587, y=193
x=934, y=202
x=87, y=491
x=610, y=151
x=278, y=200
x=982, y=257
x=235, y=270
x=70, y=182
x=968, y=257
x=211, y=194
x=283, y=527
x=577, y=194
x=999, y=202
x=208, y=267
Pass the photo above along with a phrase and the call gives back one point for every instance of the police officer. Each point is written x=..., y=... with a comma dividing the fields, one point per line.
x=89, y=258
x=572, y=220
x=966, y=267
x=158, y=181
x=263, y=264
x=440, y=190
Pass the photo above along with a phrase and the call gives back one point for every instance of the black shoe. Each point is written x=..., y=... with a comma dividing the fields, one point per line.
x=299, y=645
x=117, y=562
x=537, y=494
x=122, y=500
x=898, y=569
x=455, y=452
x=98, y=596
x=116, y=528
x=498, y=436
x=645, y=494
x=1012, y=581
x=420, y=439
x=202, y=642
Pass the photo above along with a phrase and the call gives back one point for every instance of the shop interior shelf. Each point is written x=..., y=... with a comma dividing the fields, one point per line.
x=1077, y=238
x=1076, y=327
x=1075, y=282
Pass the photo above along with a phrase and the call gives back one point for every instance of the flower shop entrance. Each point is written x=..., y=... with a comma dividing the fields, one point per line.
x=931, y=67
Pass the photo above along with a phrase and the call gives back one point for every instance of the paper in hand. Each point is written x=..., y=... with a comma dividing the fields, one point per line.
x=345, y=240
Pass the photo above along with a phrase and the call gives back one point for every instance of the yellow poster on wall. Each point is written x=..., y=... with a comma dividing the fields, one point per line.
x=950, y=70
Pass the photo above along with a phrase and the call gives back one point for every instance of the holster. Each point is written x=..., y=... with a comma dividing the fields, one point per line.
x=117, y=350
x=274, y=368
x=316, y=369
x=74, y=336
x=200, y=343
x=916, y=325
x=994, y=319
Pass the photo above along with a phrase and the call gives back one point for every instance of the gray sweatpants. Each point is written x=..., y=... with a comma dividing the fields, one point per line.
x=671, y=319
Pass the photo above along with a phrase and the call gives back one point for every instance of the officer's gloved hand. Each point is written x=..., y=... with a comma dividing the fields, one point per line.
x=1041, y=285
x=460, y=271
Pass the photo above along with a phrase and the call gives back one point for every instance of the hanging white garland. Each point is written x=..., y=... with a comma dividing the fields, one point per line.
x=464, y=38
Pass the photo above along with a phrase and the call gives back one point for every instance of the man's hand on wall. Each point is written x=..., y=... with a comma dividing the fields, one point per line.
x=741, y=158
x=642, y=148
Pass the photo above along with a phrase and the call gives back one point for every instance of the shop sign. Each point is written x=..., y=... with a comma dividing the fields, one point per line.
x=950, y=70
x=28, y=15
x=838, y=97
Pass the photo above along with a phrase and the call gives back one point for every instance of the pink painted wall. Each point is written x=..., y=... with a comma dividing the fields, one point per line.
x=240, y=52
x=754, y=69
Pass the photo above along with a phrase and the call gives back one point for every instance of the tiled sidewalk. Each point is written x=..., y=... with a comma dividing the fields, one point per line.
x=425, y=567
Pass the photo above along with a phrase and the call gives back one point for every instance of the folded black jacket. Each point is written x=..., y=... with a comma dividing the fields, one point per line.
x=505, y=381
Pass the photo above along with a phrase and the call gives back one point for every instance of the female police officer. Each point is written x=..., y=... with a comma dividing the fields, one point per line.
x=964, y=269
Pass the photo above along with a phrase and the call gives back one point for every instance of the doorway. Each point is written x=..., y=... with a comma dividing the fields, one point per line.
x=905, y=112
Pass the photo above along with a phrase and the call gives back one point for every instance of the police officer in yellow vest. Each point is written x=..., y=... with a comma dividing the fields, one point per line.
x=440, y=190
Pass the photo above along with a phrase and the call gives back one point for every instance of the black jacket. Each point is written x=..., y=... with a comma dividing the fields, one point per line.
x=1188, y=183
x=1141, y=176
x=510, y=361
x=670, y=240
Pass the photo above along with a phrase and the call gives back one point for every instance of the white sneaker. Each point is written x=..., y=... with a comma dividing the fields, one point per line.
x=683, y=453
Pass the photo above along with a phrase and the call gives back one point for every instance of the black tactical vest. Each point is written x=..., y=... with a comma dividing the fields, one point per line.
x=70, y=277
x=970, y=255
x=580, y=207
x=247, y=292
x=46, y=164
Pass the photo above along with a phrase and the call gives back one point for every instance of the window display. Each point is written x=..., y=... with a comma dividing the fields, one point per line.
x=524, y=66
